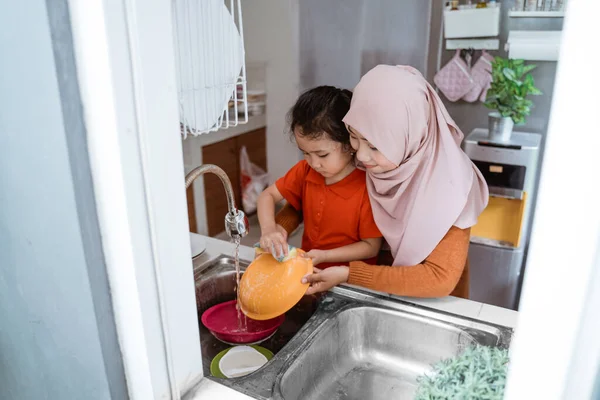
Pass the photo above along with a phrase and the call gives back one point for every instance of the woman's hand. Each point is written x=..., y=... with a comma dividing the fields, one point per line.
x=275, y=241
x=317, y=256
x=323, y=280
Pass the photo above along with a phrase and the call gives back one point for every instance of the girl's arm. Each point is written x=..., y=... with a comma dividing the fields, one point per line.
x=271, y=239
x=366, y=248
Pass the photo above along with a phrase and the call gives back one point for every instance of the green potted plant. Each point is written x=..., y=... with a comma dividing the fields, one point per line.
x=511, y=84
x=479, y=372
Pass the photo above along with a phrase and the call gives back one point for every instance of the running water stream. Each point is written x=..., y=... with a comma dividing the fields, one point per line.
x=241, y=317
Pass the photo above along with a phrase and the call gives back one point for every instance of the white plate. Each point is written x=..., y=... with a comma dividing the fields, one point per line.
x=240, y=361
x=198, y=244
x=210, y=59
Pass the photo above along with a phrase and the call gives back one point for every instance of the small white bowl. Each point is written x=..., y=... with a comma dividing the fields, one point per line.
x=240, y=361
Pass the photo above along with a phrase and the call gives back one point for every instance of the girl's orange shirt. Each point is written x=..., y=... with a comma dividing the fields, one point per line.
x=334, y=215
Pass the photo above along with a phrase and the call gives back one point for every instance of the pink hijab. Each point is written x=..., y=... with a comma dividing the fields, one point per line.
x=435, y=186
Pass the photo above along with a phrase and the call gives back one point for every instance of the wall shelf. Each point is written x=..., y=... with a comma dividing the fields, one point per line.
x=536, y=14
x=534, y=45
x=477, y=44
x=472, y=23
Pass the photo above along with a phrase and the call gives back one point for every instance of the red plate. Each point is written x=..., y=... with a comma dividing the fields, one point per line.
x=222, y=321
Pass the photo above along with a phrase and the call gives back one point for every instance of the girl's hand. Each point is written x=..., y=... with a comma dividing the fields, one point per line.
x=317, y=256
x=275, y=241
x=323, y=280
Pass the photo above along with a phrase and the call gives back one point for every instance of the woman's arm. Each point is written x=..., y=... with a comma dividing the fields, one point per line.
x=288, y=218
x=437, y=276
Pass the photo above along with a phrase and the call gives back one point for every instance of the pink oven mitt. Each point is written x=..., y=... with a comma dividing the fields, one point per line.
x=454, y=79
x=481, y=73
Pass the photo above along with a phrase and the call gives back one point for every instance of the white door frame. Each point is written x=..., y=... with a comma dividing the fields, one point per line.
x=556, y=349
x=124, y=53
x=126, y=70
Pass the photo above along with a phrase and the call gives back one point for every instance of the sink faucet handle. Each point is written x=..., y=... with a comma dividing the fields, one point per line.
x=236, y=224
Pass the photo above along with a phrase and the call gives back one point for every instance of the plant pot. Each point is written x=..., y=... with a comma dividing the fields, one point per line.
x=500, y=128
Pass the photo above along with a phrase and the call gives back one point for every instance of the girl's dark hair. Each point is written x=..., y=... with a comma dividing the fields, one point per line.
x=319, y=112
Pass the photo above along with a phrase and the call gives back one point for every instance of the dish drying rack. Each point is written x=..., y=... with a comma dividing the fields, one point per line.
x=210, y=65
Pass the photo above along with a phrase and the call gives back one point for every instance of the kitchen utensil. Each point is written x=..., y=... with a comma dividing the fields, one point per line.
x=270, y=288
x=215, y=370
x=222, y=321
x=240, y=361
x=292, y=253
x=206, y=30
x=198, y=244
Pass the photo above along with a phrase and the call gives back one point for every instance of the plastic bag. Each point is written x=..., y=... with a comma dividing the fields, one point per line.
x=253, y=179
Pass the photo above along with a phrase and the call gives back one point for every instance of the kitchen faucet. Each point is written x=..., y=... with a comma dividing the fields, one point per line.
x=236, y=222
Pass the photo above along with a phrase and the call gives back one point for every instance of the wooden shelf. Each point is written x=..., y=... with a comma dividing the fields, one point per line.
x=536, y=14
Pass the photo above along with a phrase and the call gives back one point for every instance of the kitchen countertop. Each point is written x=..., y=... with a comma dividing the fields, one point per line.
x=208, y=389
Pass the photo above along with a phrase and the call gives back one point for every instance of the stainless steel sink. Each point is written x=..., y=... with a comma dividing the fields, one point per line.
x=215, y=283
x=369, y=352
x=346, y=344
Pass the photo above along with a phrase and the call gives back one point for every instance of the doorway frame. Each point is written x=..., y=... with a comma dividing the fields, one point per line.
x=125, y=61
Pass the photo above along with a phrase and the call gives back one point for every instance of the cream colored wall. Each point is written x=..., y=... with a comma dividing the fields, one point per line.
x=270, y=37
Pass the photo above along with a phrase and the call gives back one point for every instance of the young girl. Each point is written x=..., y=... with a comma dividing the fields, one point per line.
x=326, y=187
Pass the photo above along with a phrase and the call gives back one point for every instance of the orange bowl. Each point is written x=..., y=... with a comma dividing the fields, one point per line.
x=270, y=288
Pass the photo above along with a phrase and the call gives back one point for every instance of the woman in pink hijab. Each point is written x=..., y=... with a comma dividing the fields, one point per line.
x=425, y=192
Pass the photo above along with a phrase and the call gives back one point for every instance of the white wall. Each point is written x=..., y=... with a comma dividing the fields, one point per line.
x=271, y=36
x=57, y=333
x=560, y=304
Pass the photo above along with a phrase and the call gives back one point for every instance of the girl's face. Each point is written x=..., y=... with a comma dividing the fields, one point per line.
x=325, y=156
x=368, y=155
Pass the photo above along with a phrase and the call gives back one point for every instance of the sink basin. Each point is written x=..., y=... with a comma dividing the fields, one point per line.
x=368, y=352
x=215, y=283
x=345, y=344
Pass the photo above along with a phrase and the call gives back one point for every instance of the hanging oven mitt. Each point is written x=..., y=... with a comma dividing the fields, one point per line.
x=454, y=79
x=292, y=252
x=488, y=84
x=481, y=73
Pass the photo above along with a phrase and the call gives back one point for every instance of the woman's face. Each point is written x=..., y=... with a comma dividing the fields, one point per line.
x=368, y=155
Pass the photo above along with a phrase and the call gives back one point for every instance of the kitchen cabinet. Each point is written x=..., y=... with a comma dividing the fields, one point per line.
x=226, y=155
